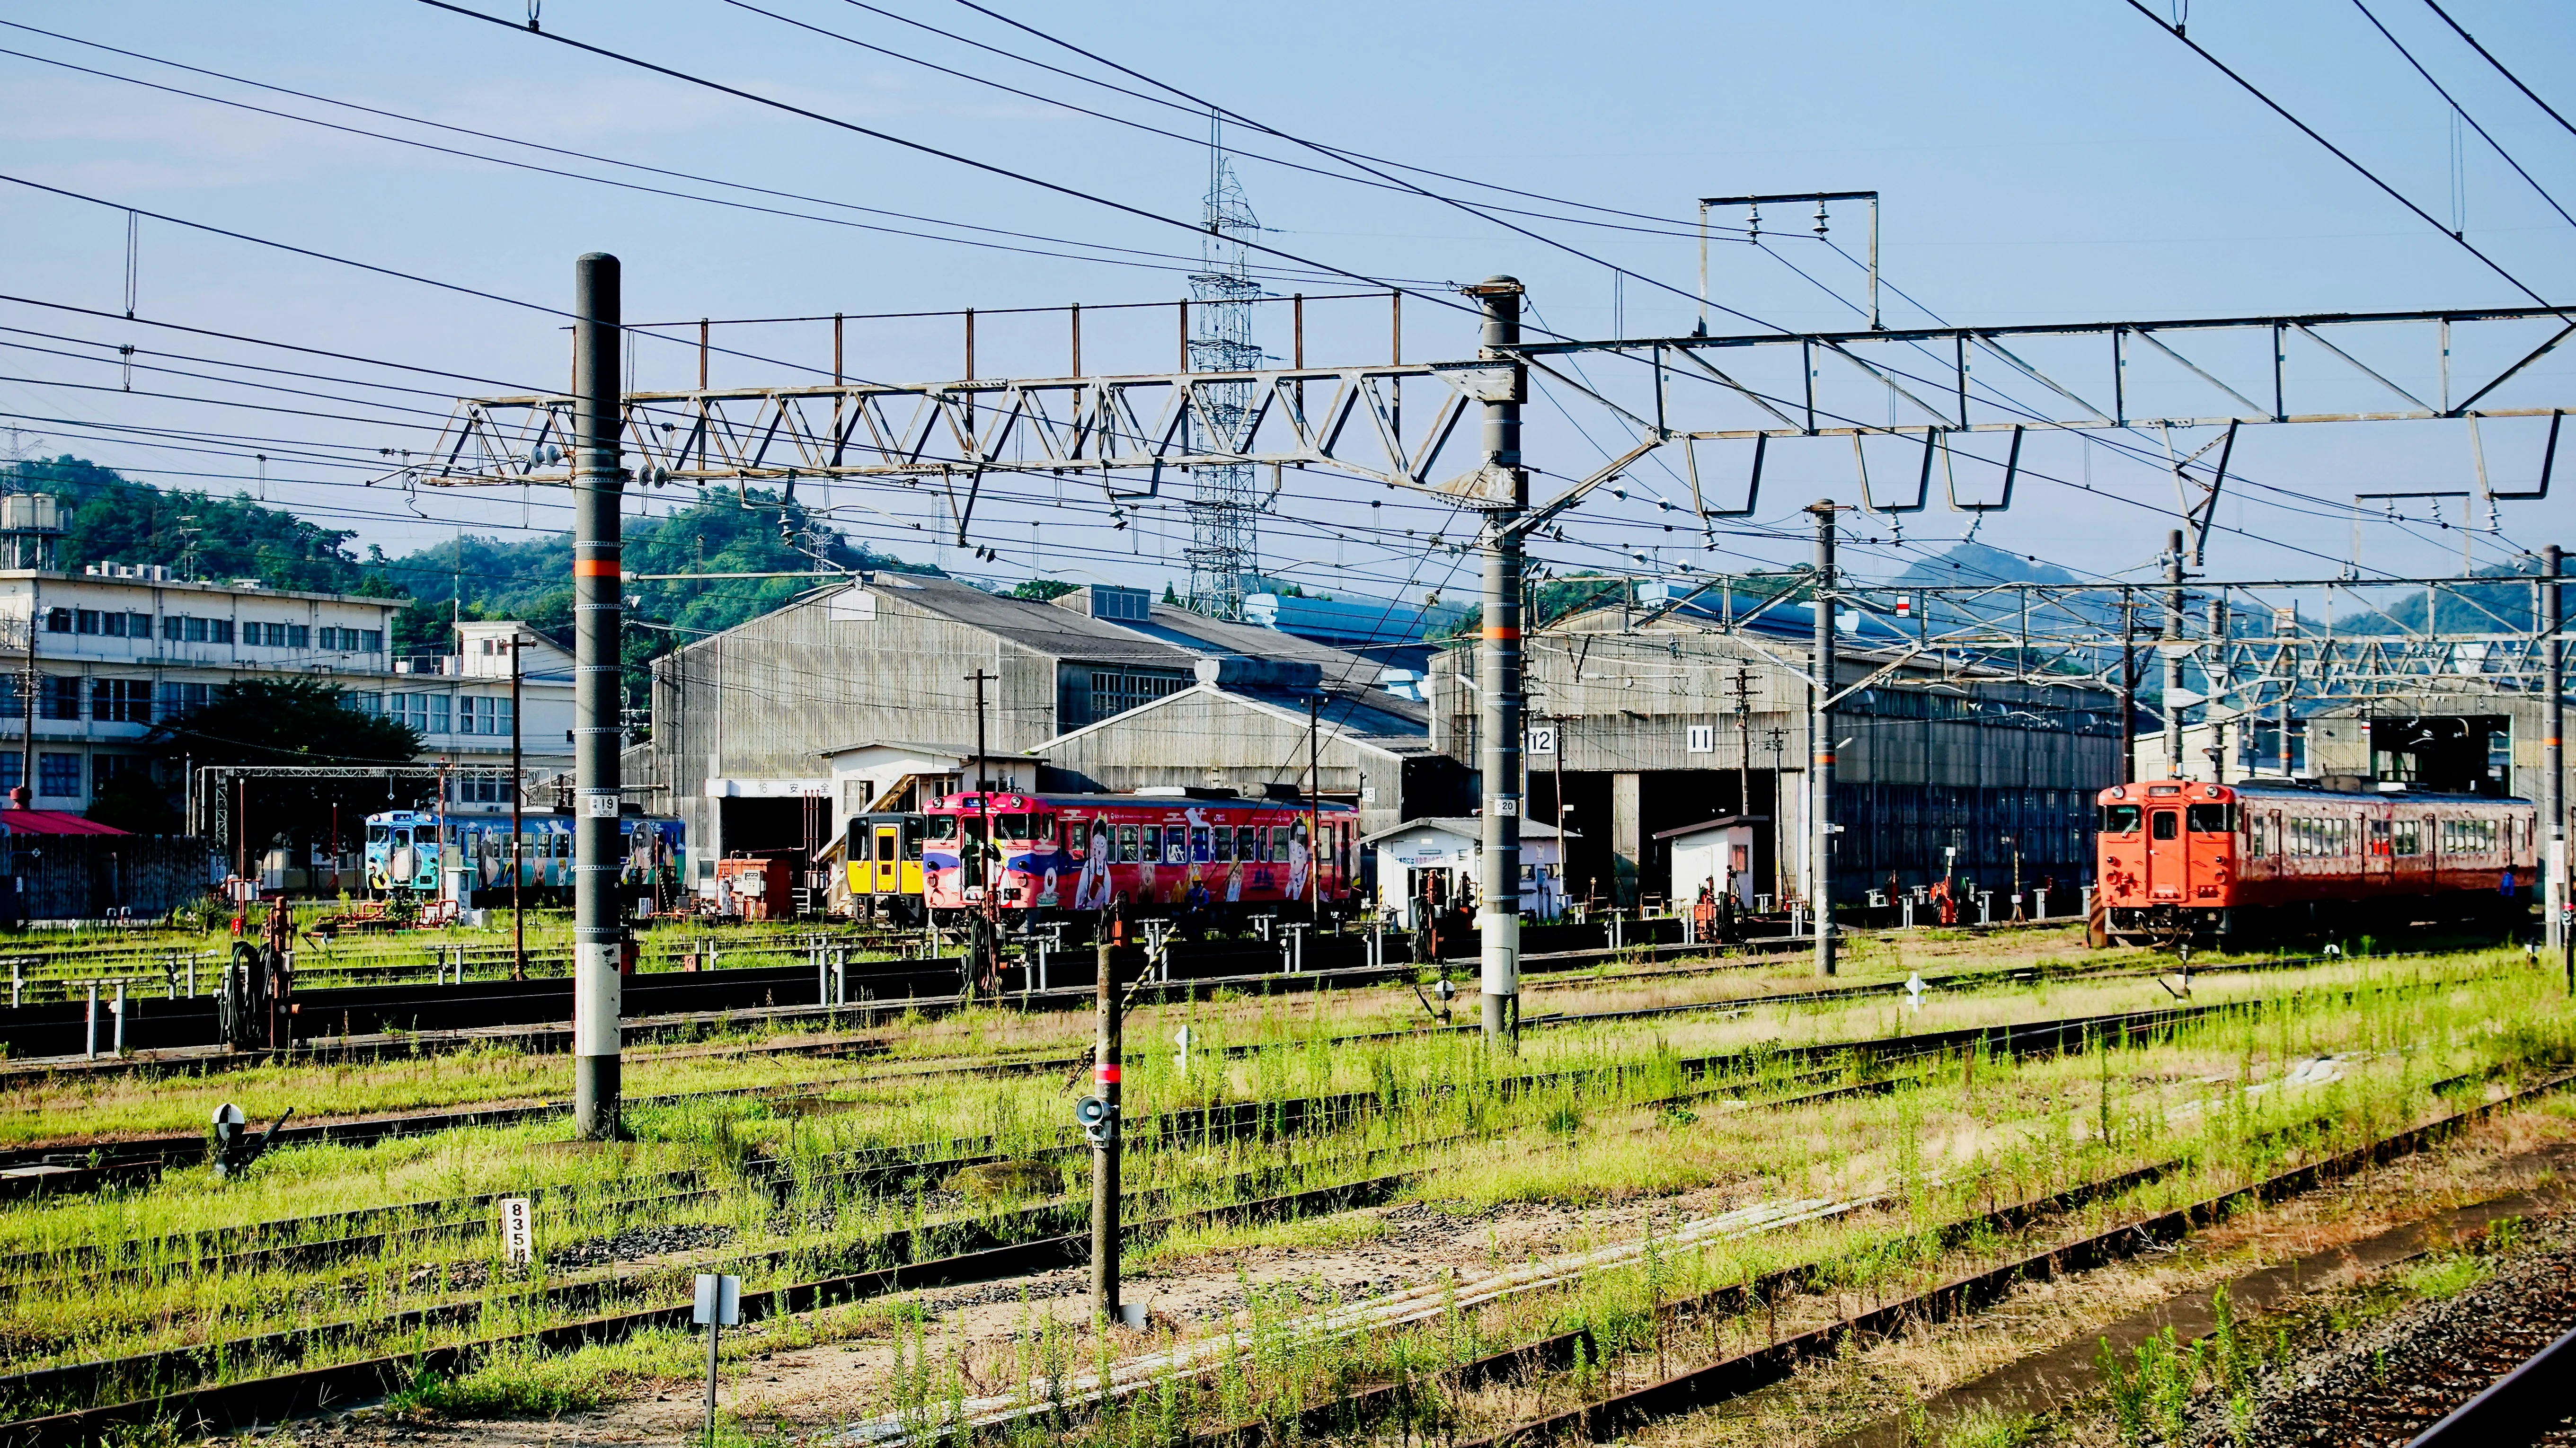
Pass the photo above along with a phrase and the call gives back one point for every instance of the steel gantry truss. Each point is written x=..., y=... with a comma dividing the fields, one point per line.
x=2238, y=649
x=1934, y=387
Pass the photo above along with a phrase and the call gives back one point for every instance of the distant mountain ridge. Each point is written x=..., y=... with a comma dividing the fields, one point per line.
x=1972, y=563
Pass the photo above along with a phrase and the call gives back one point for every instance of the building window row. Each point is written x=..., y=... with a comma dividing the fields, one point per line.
x=188, y=628
x=440, y=713
x=58, y=775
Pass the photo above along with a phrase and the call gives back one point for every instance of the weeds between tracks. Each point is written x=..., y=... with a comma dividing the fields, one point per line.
x=2003, y=1126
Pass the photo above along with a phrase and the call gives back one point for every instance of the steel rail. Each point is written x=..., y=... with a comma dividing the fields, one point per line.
x=2515, y=1409
x=1741, y=1373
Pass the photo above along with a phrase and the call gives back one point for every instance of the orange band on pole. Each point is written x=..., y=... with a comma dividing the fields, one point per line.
x=1501, y=632
x=594, y=568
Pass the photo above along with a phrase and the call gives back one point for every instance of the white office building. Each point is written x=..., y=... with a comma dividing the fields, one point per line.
x=119, y=647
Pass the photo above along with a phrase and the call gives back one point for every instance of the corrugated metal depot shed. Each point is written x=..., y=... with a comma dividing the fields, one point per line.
x=1671, y=720
x=742, y=719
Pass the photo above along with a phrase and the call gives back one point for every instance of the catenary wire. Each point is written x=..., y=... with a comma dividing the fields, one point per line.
x=922, y=147
x=2340, y=154
x=2462, y=112
x=2500, y=69
x=1129, y=256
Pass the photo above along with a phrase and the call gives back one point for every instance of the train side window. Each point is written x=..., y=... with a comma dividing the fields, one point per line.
x=1224, y=853
x=2254, y=837
x=2405, y=838
x=2165, y=824
x=1176, y=845
x=2120, y=819
x=1199, y=851
x=2208, y=819
x=1153, y=848
x=1126, y=848
x=1247, y=842
x=1279, y=843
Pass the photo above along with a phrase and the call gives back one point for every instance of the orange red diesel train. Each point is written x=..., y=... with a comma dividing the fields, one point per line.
x=2182, y=858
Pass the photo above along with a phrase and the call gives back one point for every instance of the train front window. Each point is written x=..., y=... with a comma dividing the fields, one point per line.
x=2120, y=819
x=2211, y=819
x=940, y=829
x=378, y=834
x=2166, y=825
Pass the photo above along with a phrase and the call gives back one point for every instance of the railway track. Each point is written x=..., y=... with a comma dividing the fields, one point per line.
x=84, y=1164
x=874, y=1169
x=223, y=1406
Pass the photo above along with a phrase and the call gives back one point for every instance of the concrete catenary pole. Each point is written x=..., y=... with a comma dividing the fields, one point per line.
x=597, y=488
x=1820, y=730
x=2553, y=779
x=2169, y=647
x=1498, y=674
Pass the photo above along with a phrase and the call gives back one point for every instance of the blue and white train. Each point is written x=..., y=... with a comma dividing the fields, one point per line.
x=407, y=850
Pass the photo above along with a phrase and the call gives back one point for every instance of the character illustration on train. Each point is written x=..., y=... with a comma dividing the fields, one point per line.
x=406, y=851
x=1144, y=854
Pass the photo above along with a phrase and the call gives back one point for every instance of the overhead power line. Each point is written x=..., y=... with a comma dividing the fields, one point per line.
x=2340, y=154
x=922, y=147
x=2462, y=112
x=2500, y=67
x=1124, y=256
x=1349, y=159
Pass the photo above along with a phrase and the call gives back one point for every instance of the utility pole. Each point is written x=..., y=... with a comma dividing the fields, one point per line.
x=1820, y=826
x=1314, y=808
x=2171, y=648
x=27, y=742
x=2128, y=688
x=1498, y=674
x=1104, y=1140
x=2553, y=782
x=518, y=838
x=983, y=951
x=598, y=486
x=983, y=781
x=1744, y=740
x=1564, y=856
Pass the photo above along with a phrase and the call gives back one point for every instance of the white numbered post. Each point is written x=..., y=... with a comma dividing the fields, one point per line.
x=518, y=1232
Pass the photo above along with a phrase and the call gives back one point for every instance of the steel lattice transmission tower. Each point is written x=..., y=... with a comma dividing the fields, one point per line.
x=1224, y=553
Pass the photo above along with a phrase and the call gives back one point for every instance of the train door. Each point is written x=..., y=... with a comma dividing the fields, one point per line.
x=2378, y=848
x=2168, y=854
x=886, y=850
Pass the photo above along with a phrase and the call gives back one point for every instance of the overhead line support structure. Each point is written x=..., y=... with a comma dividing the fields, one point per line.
x=1501, y=499
x=2553, y=782
x=598, y=481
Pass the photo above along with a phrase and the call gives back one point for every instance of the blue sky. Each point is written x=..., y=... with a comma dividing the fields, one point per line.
x=2039, y=162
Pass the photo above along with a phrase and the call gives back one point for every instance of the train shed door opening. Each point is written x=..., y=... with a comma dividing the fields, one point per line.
x=2448, y=753
x=2167, y=859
